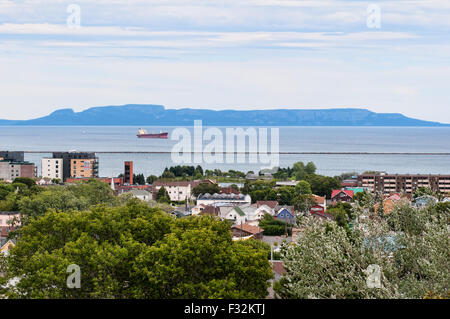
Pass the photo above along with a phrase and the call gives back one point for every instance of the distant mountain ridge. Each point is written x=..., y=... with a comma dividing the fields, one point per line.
x=157, y=115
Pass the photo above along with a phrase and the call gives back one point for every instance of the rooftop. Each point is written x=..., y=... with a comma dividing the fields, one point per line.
x=249, y=228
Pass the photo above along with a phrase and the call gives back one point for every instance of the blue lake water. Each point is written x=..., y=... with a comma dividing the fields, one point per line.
x=292, y=139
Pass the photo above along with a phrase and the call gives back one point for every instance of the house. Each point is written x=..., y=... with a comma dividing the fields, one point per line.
x=7, y=219
x=319, y=211
x=424, y=201
x=341, y=195
x=271, y=203
x=351, y=182
x=247, y=230
x=178, y=190
x=237, y=215
x=285, y=213
x=320, y=200
x=197, y=209
x=234, y=199
x=182, y=211
x=264, y=209
x=6, y=245
x=141, y=194
x=355, y=190
x=286, y=183
x=210, y=211
x=389, y=203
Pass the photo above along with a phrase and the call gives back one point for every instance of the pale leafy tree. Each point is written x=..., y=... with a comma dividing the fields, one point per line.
x=327, y=263
x=409, y=246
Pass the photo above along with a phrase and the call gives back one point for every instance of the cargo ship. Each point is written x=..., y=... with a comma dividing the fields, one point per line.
x=143, y=134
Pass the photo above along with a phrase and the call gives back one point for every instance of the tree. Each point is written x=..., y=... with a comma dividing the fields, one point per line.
x=326, y=263
x=299, y=170
x=134, y=251
x=273, y=227
x=409, y=246
x=150, y=179
x=322, y=185
x=139, y=179
x=198, y=170
x=25, y=180
x=304, y=202
x=80, y=196
x=310, y=168
x=303, y=187
x=168, y=175
x=423, y=191
x=286, y=195
x=204, y=188
x=162, y=196
x=5, y=190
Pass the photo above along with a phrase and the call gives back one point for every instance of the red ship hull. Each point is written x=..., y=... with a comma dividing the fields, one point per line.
x=159, y=135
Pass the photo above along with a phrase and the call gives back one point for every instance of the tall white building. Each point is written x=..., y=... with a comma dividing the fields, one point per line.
x=52, y=168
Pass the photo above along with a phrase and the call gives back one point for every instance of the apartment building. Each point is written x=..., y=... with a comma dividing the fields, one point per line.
x=77, y=164
x=396, y=183
x=52, y=168
x=82, y=168
x=10, y=170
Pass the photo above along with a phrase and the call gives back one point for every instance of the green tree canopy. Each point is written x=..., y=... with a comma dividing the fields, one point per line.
x=204, y=188
x=162, y=196
x=133, y=251
x=303, y=187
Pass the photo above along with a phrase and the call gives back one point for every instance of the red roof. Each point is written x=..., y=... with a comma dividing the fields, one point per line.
x=338, y=191
x=319, y=199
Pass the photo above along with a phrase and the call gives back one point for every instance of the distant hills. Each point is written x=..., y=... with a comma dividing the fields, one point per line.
x=157, y=115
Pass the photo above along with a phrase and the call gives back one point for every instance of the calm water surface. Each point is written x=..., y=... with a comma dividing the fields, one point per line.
x=292, y=139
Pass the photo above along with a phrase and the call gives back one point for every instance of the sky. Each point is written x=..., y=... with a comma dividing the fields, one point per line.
x=386, y=56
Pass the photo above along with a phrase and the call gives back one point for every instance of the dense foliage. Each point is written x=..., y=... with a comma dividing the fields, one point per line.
x=133, y=251
x=204, y=188
x=409, y=245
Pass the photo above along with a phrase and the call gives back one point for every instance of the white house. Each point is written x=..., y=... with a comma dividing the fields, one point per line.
x=264, y=209
x=141, y=194
x=237, y=215
x=178, y=190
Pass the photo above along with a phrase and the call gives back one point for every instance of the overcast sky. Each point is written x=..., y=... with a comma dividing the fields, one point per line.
x=239, y=54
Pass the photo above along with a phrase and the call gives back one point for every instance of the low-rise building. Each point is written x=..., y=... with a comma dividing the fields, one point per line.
x=341, y=195
x=213, y=199
x=178, y=190
x=286, y=214
x=6, y=245
x=7, y=219
x=141, y=194
x=246, y=230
